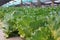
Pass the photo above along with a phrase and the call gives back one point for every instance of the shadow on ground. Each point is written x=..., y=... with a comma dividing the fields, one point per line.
x=3, y=38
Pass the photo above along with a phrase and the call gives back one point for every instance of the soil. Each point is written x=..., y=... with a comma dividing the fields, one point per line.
x=3, y=38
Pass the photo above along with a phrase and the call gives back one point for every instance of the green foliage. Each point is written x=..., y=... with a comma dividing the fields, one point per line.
x=32, y=23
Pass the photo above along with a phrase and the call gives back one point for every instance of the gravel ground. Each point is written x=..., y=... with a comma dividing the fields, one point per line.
x=3, y=38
